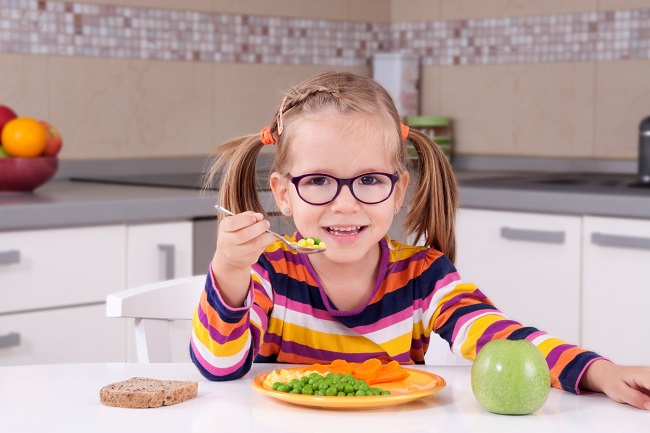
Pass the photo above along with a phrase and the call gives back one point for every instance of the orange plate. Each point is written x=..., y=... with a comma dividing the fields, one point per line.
x=417, y=384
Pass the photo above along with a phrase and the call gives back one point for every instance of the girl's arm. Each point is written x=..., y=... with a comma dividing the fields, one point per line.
x=468, y=320
x=226, y=339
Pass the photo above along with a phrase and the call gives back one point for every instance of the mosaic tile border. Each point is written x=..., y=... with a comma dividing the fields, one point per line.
x=51, y=27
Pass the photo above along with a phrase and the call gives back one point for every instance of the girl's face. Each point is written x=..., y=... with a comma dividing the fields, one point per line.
x=343, y=146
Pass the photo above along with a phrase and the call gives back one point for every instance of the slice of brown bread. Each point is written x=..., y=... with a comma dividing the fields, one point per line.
x=142, y=392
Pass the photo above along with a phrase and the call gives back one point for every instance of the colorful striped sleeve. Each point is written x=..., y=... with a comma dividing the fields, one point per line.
x=468, y=320
x=224, y=339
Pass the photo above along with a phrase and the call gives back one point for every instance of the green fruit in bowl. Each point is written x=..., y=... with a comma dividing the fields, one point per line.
x=510, y=377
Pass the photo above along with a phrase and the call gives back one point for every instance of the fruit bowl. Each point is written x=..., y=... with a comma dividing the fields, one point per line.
x=26, y=174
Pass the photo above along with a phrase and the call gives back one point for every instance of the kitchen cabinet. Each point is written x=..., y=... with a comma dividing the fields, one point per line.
x=53, y=286
x=54, y=283
x=61, y=335
x=528, y=264
x=616, y=288
x=157, y=252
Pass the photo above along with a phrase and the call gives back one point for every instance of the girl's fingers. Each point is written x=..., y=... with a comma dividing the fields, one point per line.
x=243, y=220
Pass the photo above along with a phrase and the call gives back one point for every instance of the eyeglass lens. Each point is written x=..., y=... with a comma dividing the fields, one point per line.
x=368, y=188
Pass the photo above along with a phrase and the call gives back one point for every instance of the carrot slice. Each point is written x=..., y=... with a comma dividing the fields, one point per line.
x=388, y=376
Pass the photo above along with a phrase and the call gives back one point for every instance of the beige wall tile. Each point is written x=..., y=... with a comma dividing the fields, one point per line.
x=430, y=91
x=467, y=9
x=23, y=86
x=190, y=5
x=369, y=10
x=109, y=108
x=362, y=10
x=415, y=10
x=622, y=100
x=247, y=96
x=526, y=110
x=606, y=5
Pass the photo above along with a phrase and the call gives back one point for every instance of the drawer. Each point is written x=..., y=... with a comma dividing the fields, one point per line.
x=45, y=268
x=76, y=334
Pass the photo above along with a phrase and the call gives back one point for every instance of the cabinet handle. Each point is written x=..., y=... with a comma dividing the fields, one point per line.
x=11, y=339
x=607, y=240
x=10, y=257
x=169, y=251
x=532, y=235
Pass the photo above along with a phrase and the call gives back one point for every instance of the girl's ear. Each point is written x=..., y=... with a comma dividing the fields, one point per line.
x=400, y=188
x=280, y=188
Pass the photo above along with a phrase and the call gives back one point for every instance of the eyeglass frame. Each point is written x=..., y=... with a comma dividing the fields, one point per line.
x=344, y=181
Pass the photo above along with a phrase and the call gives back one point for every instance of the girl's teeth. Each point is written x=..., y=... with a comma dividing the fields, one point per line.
x=344, y=230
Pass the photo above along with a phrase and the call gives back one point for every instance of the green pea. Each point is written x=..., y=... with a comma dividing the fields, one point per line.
x=275, y=385
x=348, y=388
x=360, y=393
x=385, y=392
x=284, y=388
x=341, y=394
x=307, y=390
x=321, y=392
x=331, y=391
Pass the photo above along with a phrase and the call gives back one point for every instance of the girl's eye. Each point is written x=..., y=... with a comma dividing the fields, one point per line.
x=317, y=181
x=368, y=180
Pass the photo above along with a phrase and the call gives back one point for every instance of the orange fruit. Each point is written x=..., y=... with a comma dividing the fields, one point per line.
x=24, y=137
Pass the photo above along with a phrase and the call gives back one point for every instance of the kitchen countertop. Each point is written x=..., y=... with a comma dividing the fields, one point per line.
x=64, y=203
x=65, y=398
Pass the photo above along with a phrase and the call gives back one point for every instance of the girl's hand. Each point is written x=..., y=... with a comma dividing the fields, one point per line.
x=240, y=241
x=622, y=384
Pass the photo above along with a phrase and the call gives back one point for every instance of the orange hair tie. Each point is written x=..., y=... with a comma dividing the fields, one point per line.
x=405, y=131
x=266, y=137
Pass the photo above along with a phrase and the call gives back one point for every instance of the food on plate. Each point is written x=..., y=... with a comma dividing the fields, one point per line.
x=314, y=383
x=310, y=243
x=141, y=392
x=370, y=370
x=340, y=378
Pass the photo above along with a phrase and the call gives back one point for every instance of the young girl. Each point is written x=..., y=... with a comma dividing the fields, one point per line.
x=340, y=170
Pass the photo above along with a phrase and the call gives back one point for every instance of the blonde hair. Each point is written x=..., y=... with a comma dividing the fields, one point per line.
x=432, y=214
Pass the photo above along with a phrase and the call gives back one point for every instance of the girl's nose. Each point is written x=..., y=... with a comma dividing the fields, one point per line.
x=345, y=202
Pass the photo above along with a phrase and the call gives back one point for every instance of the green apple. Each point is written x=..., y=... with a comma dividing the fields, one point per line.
x=510, y=377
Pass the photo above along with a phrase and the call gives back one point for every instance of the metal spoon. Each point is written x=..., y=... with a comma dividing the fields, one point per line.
x=292, y=245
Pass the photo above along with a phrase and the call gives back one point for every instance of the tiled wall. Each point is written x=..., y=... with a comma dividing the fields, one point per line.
x=78, y=29
x=141, y=79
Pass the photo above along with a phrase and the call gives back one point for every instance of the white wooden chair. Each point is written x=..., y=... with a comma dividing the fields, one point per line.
x=154, y=306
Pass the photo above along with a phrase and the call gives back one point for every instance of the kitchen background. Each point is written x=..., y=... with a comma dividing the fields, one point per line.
x=153, y=86
x=145, y=78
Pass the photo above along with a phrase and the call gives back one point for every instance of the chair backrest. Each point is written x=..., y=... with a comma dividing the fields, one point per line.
x=153, y=306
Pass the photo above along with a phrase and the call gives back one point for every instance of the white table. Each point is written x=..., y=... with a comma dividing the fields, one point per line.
x=65, y=398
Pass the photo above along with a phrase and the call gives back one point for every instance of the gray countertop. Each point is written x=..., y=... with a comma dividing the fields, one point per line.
x=63, y=203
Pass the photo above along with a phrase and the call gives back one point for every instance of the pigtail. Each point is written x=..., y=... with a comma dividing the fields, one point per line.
x=233, y=169
x=432, y=214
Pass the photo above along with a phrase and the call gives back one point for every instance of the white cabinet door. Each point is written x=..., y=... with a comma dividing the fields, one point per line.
x=53, y=287
x=527, y=264
x=616, y=297
x=60, y=267
x=62, y=335
x=158, y=252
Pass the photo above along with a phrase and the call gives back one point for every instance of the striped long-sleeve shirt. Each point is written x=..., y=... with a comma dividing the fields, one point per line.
x=287, y=317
